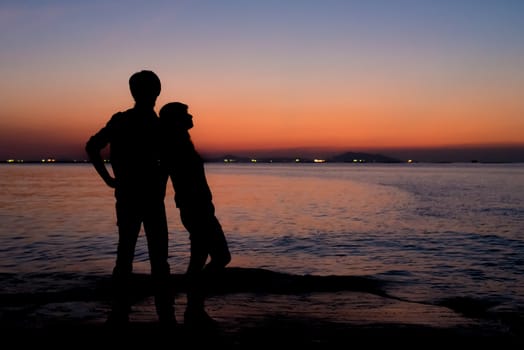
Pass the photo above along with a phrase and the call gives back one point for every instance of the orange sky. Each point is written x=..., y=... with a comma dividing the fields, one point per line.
x=344, y=75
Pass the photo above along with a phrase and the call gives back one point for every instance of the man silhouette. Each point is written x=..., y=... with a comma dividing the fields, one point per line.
x=193, y=198
x=132, y=137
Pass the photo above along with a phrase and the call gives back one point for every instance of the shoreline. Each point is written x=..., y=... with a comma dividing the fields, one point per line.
x=251, y=319
x=260, y=308
x=264, y=320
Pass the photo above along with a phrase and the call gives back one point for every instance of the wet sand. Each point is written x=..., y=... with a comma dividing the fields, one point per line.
x=260, y=309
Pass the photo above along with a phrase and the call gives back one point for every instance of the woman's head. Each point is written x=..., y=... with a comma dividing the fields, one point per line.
x=176, y=114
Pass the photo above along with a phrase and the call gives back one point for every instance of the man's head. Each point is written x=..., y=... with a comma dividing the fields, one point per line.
x=145, y=87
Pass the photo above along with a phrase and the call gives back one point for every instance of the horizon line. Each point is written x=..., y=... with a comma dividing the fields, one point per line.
x=450, y=153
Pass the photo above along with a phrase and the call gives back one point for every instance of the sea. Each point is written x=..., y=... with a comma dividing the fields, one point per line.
x=430, y=232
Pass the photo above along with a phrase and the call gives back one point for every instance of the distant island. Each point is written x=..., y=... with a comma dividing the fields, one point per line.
x=348, y=157
x=443, y=155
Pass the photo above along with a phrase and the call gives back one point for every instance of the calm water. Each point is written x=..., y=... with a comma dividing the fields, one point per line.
x=432, y=230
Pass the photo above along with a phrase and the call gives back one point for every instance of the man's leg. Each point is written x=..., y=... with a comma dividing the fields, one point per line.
x=155, y=226
x=128, y=229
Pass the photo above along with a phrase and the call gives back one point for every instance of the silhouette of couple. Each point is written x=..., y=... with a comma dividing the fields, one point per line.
x=146, y=151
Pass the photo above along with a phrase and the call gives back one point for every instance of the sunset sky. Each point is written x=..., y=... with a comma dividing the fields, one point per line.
x=331, y=75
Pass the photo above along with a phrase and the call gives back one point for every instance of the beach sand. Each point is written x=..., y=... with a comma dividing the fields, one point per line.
x=257, y=308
